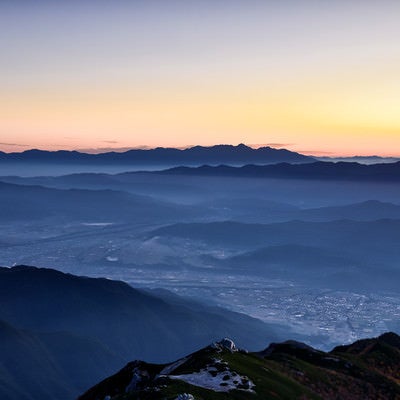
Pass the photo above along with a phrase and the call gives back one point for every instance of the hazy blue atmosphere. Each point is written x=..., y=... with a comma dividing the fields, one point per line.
x=310, y=250
x=199, y=200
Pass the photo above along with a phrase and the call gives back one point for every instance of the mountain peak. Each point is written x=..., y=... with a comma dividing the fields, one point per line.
x=288, y=345
x=390, y=338
x=225, y=344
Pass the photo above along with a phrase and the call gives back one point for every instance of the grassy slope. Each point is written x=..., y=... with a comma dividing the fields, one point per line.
x=366, y=370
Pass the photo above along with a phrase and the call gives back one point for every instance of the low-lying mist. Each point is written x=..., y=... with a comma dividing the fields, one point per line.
x=320, y=257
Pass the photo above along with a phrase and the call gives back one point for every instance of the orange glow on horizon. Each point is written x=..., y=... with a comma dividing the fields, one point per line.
x=315, y=77
x=316, y=118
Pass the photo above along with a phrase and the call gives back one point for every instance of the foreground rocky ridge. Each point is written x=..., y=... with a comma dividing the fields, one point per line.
x=366, y=369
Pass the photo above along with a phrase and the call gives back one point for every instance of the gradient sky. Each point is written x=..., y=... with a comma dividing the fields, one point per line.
x=320, y=77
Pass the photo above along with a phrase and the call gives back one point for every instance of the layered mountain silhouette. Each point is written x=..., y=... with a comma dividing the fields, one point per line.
x=366, y=370
x=347, y=171
x=248, y=198
x=34, y=202
x=61, y=333
x=30, y=199
x=197, y=155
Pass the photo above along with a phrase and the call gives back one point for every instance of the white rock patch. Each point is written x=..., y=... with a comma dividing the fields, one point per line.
x=219, y=381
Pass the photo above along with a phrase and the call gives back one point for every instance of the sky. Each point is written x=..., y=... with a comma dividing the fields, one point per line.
x=320, y=77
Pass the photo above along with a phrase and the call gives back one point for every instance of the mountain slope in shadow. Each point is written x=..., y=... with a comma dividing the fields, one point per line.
x=79, y=328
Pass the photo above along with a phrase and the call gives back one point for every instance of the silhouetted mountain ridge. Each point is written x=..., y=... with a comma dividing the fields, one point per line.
x=196, y=155
x=348, y=171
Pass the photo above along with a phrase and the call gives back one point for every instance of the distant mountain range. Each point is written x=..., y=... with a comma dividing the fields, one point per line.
x=29, y=200
x=60, y=333
x=348, y=171
x=254, y=188
x=197, y=155
x=362, y=159
x=34, y=202
x=365, y=370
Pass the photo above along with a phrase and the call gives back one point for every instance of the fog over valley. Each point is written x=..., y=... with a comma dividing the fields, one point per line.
x=319, y=257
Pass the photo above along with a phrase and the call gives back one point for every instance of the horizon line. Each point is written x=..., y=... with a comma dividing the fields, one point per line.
x=104, y=150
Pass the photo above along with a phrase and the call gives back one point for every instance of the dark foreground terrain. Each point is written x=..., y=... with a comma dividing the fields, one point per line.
x=366, y=369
